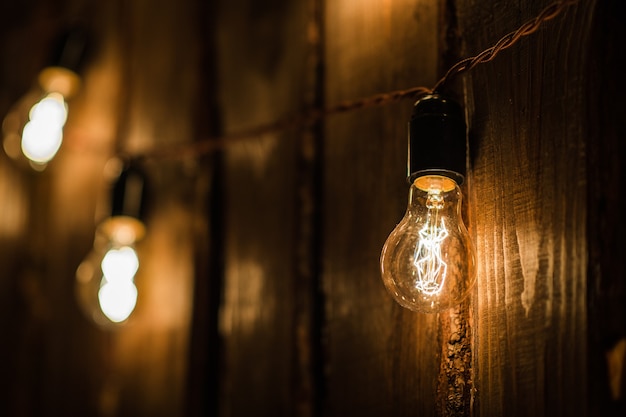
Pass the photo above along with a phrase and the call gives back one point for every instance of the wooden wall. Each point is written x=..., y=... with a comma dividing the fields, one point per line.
x=523, y=344
x=261, y=292
x=528, y=204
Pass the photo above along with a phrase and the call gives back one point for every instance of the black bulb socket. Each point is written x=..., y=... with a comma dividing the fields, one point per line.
x=437, y=145
x=70, y=49
x=129, y=193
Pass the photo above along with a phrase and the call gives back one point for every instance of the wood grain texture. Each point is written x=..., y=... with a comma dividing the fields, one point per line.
x=381, y=359
x=528, y=210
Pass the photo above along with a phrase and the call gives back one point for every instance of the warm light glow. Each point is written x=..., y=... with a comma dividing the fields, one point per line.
x=50, y=110
x=120, y=264
x=117, y=299
x=43, y=134
x=123, y=230
x=118, y=293
x=60, y=80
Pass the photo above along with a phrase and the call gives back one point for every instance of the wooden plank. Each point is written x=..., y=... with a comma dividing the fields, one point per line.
x=261, y=55
x=160, y=78
x=382, y=359
x=528, y=210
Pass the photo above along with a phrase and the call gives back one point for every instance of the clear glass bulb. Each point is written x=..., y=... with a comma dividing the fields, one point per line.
x=427, y=262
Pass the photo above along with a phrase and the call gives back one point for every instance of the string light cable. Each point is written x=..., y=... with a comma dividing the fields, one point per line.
x=306, y=118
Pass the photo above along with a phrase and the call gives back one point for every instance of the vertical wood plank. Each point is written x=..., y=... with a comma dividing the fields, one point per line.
x=203, y=375
x=528, y=209
x=382, y=359
x=262, y=58
x=160, y=82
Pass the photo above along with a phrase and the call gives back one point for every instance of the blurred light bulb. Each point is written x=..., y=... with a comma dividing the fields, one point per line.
x=117, y=300
x=50, y=110
x=120, y=264
x=34, y=127
x=43, y=134
x=105, y=280
x=427, y=262
x=118, y=295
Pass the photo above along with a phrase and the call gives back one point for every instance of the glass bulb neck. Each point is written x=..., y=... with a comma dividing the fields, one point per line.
x=435, y=192
x=122, y=230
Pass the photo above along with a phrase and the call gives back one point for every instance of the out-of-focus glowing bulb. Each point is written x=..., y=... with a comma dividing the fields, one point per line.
x=43, y=134
x=118, y=294
x=120, y=264
x=105, y=280
x=427, y=262
x=50, y=110
x=34, y=127
x=117, y=300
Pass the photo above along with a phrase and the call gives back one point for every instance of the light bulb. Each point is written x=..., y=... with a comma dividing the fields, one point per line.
x=43, y=133
x=33, y=129
x=118, y=295
x=117, y=299
x=105, y=280
x=120, y=264
x=427, y=262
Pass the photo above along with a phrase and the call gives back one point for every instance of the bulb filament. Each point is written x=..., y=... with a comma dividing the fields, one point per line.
x=431, y=269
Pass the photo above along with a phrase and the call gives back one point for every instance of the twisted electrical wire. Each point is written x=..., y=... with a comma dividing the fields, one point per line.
x=203, y=147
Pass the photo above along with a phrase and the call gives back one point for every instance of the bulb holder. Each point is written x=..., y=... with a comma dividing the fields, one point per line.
x=129, y=193
x=70, y=49
x=437, y=144
x=68, y=56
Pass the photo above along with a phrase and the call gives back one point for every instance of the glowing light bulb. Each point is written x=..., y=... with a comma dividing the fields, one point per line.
x=117, y=299
x=33, y=129
x=118, y=294
x=43, y=134
x=427, y=262
x=120, y=264
x=105, y=280
x=50, y=110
